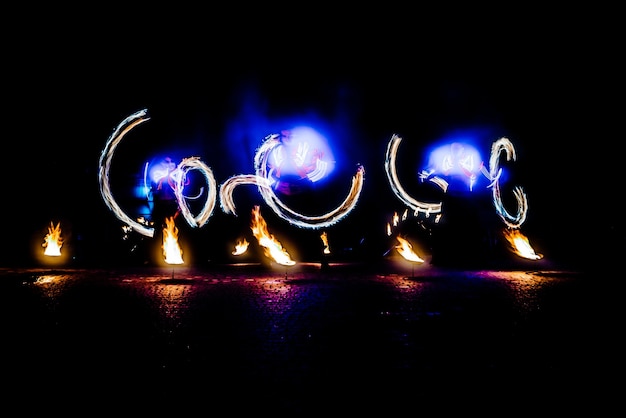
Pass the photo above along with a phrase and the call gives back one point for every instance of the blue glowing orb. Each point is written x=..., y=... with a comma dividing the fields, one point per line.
x=304, y=156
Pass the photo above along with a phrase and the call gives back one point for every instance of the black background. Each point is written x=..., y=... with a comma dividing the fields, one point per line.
x=544, y=79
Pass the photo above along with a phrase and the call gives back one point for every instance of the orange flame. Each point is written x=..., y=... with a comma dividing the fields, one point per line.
x=53, y=241
x=171, y=250
x=272, y=248
x=324, y=238
x=241, y=247
x=406, y=250
x=520, y=245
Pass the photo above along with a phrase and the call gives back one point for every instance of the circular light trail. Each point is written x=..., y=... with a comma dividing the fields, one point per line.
x=283, y=211
x=192, y=163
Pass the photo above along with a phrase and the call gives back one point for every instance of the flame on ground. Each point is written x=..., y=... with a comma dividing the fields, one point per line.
x=324, y=238
x=53, y=240
x=272, y=248
x=171, y=250
x=520, y=245
x=406, y=250
x=241, y=247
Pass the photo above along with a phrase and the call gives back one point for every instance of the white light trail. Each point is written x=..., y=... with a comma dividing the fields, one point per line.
x=503, y=144
x=392, y=176
x=261, y=180
x=192, y=163
x=227, y=188
x=312, y=222
x=105, y=165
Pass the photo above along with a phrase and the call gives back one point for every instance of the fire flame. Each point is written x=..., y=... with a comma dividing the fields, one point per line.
x=520, y=244
x=241, y=247
x=406, y=250
x=272, y=248
x=53, y=241
x=324, y=238
x=171, y=250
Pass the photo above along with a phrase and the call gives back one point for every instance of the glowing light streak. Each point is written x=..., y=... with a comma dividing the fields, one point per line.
x=392, y=176
x=171, y=250
x=504, y=145
x=321, y=167
x=272, y=248
x=227, y=188
x=301, y=153
x=501, y=145
x=295, y=218
x=105, y=165
x=53, y=240
x=263, y=183
x=441, y=183
x=194, y=163
x=179, y=177
x=146, y=187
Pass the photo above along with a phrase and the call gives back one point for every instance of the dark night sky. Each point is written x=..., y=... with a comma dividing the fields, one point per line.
x=549, y=88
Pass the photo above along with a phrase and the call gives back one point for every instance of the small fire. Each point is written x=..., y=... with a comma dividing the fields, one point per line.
x=273, y=249
x=171, y=249
x=53, y=241
x=241, y=247
x=406, y=250
x=324, y=238
x=520, y=244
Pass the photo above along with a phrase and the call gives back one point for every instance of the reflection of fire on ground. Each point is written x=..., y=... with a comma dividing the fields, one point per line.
x=53, y=241
x=272, y=248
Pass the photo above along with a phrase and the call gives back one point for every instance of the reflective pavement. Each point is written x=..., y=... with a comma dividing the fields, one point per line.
x=342, y=338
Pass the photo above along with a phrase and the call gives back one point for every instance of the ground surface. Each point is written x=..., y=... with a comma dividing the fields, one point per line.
x=305, y=339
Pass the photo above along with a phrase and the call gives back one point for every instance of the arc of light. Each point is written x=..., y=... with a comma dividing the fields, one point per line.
x=105, y=164
x=263, y=185
x=392, y=177
x=226, y=189
x=295, y=218
x=504, y=144
x=194, y=163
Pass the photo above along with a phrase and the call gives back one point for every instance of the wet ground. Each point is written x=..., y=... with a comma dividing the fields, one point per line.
x=350, y=339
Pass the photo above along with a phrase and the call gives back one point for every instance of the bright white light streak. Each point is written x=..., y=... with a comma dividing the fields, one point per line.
x=187, y=164
x=146, y=188
x=194, y=163
x=105, y=165
x=227, y=188
x=392, y=176
x=262, y=181
x=295, y=218
x=319, y=172
x=504, y=144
